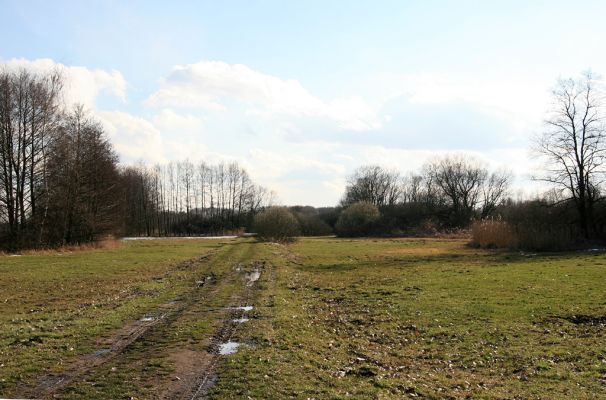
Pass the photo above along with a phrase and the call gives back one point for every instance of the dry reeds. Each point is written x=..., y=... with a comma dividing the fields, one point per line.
x=493, y=234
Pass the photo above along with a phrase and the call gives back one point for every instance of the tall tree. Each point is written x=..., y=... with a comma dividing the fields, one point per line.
x=83, y=181
x=573, y=145
x=373, y=184
x=29, y=111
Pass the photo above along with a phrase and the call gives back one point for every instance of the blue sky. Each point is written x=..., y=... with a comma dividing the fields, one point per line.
x=303, y=92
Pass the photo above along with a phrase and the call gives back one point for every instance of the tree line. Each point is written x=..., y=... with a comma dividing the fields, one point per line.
x=186, y=198
x=457, y=192
x=446, y=194
x=61, y=182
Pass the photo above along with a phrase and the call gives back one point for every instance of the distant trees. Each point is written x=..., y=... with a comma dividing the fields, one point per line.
x=185, y=198
x=448, y=193
x=357, y=219
x=310, y=221
x=372, y=184
x=60, y=182
x=466, y=185
x=573, y=145
x=276, y=224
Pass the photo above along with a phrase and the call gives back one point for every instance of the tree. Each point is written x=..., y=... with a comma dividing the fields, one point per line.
x=29, y=111
x=494, y=190
x=466, y=185
x=357, y=219
x=573, y=145
x=83, y=181
x=372, y=184
x=276, y=224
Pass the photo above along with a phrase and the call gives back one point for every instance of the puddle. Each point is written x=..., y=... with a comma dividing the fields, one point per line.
x=147, y=318
x=252, y=277
x=100, y=352
x=242, y=308
x=228, y=348
x=240, y=320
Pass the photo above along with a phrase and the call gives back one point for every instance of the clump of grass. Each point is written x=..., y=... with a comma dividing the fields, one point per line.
x=493, y=234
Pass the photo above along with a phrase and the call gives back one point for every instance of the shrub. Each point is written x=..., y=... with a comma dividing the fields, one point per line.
x=357, y=220
x=276, y=224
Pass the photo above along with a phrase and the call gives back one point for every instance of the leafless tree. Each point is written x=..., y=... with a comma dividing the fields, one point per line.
x=573, y=145
x=466, y=185
x=373, y=184
x=29, y=111
x=494, y=190
x=83, y=181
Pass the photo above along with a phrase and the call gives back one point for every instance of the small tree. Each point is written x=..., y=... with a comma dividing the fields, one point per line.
x=357, y=219
x=276, y=224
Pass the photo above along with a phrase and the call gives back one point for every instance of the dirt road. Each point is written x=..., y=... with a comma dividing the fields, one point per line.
x=173, y=351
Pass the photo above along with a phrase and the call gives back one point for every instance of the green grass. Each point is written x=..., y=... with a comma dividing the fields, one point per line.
x=334, y=319
x=426, y=318
x=53, y=306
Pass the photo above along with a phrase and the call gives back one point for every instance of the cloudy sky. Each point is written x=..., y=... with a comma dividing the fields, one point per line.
x=303, y=92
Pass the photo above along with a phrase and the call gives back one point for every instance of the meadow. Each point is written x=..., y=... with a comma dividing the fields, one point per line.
x=330, y=318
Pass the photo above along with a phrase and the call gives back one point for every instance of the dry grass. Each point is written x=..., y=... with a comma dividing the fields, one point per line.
x=493, y=234
x=101, y=244
x=501, y=234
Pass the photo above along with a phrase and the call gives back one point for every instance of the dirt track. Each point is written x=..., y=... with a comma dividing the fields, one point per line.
x=214, y=300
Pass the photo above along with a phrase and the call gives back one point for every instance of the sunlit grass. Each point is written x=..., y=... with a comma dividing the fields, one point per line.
x=431, y=318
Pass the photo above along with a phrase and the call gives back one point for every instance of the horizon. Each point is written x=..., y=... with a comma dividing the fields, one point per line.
x=303, y=94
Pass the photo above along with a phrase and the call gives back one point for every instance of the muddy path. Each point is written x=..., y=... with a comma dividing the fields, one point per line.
x=173, y=351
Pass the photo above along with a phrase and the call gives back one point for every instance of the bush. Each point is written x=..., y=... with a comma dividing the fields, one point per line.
x=357, y=220
x=276, y=224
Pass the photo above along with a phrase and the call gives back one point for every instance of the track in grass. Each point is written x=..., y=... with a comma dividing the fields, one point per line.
x=172, y=350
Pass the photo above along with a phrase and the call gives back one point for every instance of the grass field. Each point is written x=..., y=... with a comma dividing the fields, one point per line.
x=333, y=318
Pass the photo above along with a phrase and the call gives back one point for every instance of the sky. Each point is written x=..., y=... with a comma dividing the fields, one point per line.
x=303, y=92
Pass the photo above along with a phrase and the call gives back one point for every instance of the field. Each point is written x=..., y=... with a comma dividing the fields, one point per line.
x=331, y=318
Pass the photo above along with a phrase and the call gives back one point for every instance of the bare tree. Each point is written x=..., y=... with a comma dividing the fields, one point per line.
x=573, y=145
x=29, y=111
x=494, y=190
x=466, y=185
x=373, y=184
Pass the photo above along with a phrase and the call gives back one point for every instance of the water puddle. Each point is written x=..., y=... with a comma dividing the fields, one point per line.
x=228, y=348
x=240, y=320
x=252, y=277
x=100, y=352
x=242, y=308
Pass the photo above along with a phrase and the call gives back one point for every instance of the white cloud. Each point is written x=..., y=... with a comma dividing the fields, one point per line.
x=214, y=84
x=169, y=121
x=81, y=84
x=133, y=137
x=520, y=101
